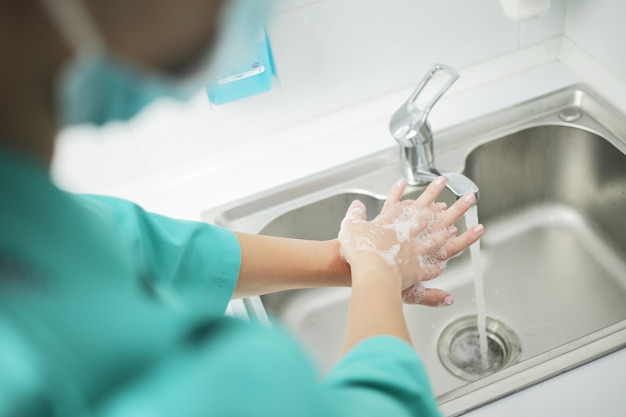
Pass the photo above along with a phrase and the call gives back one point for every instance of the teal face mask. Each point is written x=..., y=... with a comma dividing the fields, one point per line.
x=98, y=90
x=98, y=87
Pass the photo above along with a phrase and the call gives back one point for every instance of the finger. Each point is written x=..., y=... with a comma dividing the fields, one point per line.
x=432, y=297
x=356, y=211
x=401, y=211
x=428, y=215
x=394, y=195
x=431, y=267
x=431, y=193
x=433, y=242
x=458, y=209
x=414, y=294
x=458, y=244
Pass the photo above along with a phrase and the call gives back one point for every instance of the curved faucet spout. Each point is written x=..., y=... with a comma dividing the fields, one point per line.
x=458, y=184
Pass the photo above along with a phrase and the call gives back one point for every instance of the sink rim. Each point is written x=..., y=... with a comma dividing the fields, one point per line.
x=253, y=213
x=534, y=370
x=250, y=214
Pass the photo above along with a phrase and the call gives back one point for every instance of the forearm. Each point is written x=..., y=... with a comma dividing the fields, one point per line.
x=270, y=264
x=375, y=307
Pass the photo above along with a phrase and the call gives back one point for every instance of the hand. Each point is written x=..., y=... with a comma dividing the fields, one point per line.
x=410, y=241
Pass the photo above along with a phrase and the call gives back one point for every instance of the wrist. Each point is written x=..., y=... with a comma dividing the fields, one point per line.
x=338, y=267
x=371, y=270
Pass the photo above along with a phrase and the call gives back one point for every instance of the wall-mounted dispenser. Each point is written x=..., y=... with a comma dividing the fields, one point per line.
x=255, y=75
x=520, y=10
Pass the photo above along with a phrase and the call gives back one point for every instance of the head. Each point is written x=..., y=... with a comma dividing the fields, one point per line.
x=166, y=37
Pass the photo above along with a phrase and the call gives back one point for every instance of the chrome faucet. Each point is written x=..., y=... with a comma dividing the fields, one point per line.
x=410, y=128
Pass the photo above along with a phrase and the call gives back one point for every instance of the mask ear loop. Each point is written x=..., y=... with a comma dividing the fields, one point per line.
x=76, y=25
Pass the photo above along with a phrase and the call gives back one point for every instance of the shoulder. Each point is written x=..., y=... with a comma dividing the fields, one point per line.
x=226, y=367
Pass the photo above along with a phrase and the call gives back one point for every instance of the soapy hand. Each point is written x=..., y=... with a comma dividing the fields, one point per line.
x=410, y=240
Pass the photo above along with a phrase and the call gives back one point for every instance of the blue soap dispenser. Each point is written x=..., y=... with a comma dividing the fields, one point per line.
x=254, y=76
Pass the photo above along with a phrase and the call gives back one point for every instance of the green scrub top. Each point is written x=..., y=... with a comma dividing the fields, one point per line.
x=107, y=310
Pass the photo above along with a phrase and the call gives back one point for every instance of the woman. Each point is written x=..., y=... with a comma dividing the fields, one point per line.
x=111, y=311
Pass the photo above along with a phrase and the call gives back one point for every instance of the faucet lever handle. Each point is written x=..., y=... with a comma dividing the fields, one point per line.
x=412, y=103
x=408, y=122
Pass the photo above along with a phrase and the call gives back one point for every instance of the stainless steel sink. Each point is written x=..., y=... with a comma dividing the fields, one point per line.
x=552, y=178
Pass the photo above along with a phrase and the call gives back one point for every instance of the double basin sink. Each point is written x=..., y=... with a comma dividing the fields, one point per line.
x=552, y=179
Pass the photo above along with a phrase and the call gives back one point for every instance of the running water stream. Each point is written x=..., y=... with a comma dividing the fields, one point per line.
x=471, y=220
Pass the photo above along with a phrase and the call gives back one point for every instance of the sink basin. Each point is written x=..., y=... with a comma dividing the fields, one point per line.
x=552, y=178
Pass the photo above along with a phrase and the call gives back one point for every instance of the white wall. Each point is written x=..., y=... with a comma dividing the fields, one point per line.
x=593, y=47
x=335, y=53
x=599, y=27
x=330, y=54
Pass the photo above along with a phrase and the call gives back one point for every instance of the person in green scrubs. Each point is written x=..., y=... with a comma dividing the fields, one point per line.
x=107, y=310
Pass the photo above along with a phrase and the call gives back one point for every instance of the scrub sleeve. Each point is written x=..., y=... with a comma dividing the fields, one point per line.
x=381, y=376
x=191, y=265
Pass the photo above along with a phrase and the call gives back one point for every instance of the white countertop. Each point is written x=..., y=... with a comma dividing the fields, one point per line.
x=595, y=389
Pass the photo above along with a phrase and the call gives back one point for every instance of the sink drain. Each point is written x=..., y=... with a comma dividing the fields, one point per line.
x=459, y=349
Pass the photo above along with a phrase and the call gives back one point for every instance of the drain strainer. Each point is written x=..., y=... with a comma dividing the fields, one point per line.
x=459, y=349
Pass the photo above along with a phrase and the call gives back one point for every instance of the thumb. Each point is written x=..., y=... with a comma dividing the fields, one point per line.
x=356, y=211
